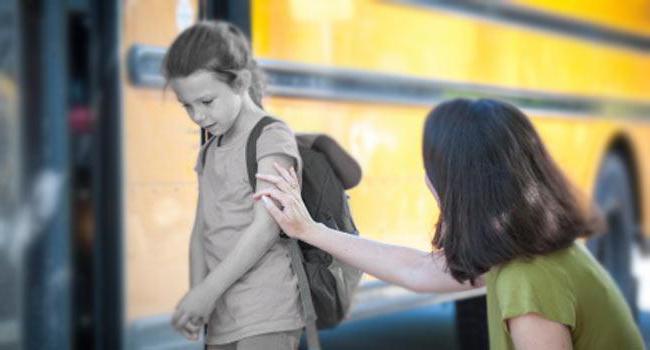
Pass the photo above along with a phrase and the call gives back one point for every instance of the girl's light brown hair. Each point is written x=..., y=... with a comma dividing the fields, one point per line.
x=215, y=46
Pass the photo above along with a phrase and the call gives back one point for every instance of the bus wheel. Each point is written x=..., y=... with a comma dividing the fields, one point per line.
x=614, y=249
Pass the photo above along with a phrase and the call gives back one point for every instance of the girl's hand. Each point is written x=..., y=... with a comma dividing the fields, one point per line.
x=293, y=217
x=192, y=330
x=192, y=312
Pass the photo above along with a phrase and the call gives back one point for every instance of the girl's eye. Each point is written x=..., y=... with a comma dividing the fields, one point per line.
x=207, y=102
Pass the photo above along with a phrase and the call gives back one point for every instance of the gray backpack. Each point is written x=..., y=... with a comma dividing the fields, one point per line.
x=326, y=284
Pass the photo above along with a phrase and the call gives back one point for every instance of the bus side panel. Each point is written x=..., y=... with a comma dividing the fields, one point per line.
x=449, y=46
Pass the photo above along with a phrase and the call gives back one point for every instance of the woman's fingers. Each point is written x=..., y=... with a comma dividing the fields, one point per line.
x=294, y=176
x=276, y=194
x=279, y=182
x=275, y=212
x=283, y=172
x=269, y=178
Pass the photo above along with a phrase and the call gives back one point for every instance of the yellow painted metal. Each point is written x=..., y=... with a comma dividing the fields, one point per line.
x=387, y=36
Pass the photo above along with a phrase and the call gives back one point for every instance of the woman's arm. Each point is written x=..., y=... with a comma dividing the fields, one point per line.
x=198, y=267
x=410, y=268
x=532, y=332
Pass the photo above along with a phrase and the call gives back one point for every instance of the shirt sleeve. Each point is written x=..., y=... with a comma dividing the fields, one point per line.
x=278, y=139
x=533, y=287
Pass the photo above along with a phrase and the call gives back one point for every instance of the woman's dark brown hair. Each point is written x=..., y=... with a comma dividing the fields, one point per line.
x=501, y=194
x=215, y=46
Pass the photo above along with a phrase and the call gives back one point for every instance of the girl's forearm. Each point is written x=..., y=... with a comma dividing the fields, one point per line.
x=198, y=267
x=256, y=240
x=410, y=268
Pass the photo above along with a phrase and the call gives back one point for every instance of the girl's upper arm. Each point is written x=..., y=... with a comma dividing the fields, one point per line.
x=532, y=331
x=265, y=166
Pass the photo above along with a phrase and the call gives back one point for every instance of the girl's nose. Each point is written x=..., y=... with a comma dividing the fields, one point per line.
x=198, y=117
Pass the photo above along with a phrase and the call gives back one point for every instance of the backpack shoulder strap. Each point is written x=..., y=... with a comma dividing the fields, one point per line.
x=251, y=148
x=308, y=310
x=309, y=313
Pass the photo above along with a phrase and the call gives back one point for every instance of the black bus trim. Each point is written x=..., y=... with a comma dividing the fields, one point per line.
x=529, y=18
x=289, y=79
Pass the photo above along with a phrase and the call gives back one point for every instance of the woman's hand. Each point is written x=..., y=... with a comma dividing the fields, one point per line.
x=293, y=217
x=192, y=312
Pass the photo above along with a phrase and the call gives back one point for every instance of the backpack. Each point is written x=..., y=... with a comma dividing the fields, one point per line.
x=327, y=172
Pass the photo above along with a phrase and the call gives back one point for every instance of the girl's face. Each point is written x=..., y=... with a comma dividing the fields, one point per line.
x=211, y=103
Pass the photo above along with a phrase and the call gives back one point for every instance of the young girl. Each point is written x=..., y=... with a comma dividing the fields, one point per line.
x=241, y=282
x=508, y=220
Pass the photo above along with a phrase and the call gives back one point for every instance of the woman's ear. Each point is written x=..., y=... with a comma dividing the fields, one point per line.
x=243, y=81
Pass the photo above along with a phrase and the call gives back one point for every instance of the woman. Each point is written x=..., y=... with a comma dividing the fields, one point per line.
x=508, y=220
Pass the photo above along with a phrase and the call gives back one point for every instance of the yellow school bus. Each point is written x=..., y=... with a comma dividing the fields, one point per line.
x=98, y=188
x=367, y=72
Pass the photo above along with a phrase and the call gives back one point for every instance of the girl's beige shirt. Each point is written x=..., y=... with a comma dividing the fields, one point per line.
x=266, y=298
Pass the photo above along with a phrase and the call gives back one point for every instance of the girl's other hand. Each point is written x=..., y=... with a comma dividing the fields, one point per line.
x=293, y=217
x=192, y=329
x=192, y=312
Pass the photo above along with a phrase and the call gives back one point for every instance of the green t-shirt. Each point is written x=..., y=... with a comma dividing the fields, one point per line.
x=567, y=286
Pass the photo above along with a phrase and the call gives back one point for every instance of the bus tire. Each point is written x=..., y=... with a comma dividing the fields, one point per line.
x=471, y=324
x=614, y=196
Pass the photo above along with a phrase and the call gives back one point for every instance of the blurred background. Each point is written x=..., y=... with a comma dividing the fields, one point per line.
x=97, y=191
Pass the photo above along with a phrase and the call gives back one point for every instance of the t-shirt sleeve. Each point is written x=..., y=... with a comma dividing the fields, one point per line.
x=527, y=287
x=278, y=139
